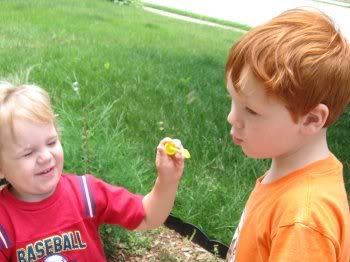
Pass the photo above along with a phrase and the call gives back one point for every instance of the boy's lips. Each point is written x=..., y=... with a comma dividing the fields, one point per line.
x=236, y=139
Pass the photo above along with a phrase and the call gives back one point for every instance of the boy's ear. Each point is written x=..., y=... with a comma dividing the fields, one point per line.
x=314, y=121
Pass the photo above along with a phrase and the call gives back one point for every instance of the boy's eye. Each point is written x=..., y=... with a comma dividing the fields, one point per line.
x=250, y=111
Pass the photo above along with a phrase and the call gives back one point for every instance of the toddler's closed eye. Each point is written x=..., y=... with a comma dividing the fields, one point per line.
x=52, y=143
x=28, y=154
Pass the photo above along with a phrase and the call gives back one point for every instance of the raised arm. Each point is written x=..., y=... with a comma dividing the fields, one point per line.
x=159, y=202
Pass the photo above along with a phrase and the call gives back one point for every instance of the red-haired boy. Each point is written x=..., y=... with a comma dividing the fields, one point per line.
x=289, y=80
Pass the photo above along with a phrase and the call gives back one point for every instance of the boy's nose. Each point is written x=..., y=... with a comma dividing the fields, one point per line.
x=233, y=119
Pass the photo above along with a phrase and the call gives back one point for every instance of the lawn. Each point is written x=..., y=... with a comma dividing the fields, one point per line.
x=140, y=77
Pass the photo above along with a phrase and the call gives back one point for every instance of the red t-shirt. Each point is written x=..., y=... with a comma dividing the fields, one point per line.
x=64, y=227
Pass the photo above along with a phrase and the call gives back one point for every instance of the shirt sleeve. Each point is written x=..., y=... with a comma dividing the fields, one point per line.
x=299, y=242
x=3, y=256
x=115, y=205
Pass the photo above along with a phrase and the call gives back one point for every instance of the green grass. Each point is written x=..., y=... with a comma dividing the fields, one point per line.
x=201, y=17
x=142, y=77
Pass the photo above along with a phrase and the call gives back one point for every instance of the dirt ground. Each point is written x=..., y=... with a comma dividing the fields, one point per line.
x=168, y=246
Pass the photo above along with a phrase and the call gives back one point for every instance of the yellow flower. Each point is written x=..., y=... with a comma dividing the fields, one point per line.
x=171, y=149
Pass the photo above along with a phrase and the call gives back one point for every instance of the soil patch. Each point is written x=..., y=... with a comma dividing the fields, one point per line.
x=167, y=246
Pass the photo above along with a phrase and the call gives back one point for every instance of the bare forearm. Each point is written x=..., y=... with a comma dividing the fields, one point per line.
x=158, y=204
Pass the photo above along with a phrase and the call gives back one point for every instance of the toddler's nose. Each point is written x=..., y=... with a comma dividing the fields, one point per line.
x=44, y=156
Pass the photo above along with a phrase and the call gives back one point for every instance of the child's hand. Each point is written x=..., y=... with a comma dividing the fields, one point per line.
x=170, y=166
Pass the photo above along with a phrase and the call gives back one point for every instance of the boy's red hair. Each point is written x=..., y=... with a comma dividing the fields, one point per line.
x=301, y=58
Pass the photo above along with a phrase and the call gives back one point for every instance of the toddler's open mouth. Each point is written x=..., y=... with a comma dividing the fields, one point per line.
x=46, y=171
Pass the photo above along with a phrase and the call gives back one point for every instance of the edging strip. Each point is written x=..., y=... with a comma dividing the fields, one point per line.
x=194, y=234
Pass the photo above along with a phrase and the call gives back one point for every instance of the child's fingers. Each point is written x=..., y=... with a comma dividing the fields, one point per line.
x=173, y=148
x=179, y=156
x=163, y=156
x=177, y=143
x=160, y=147
x=165, y=140
x=161, y=151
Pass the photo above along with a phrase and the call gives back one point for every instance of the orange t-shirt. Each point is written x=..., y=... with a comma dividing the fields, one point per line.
x=303, y=216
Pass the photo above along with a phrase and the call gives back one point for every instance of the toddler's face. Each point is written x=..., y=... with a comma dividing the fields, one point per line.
x=261, y=125
x=32, y=161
